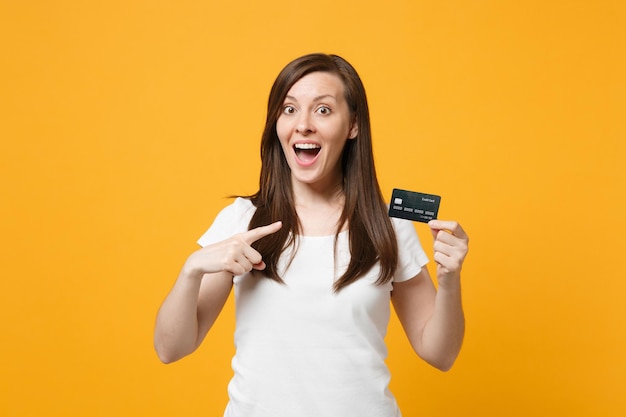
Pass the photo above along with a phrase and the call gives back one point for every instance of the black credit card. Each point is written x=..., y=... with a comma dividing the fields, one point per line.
x=414, y=206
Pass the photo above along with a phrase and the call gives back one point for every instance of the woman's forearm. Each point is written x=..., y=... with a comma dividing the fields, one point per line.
x=444, y=331
x=176, y=329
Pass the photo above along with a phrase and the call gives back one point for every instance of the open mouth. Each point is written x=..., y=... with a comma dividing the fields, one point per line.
x=306, y=152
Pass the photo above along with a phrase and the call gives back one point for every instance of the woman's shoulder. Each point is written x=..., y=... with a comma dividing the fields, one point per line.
x=402, y=226
x=238, y=209
x=242, y=204
x=233, y=218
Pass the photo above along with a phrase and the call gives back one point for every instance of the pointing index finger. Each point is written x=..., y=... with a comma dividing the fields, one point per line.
x=257, y=233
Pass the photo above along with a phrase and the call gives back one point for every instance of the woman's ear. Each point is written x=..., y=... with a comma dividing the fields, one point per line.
x=354, y=130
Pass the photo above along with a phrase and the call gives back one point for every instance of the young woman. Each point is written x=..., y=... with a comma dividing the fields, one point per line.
x=315, y=261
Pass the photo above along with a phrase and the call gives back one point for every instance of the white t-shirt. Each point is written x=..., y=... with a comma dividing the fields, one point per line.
x=301, y=349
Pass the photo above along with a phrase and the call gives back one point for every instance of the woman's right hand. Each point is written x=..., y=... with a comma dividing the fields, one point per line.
x=234, y=255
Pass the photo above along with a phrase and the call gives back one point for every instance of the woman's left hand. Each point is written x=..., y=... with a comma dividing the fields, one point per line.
x=450, y=249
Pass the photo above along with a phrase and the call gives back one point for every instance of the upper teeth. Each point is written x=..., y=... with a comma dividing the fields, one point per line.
x=306, y=146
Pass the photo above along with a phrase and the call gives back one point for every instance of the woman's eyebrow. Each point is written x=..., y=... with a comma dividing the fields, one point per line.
x=315, y=99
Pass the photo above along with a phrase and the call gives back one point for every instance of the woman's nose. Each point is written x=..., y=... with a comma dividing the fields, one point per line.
x=305, y=125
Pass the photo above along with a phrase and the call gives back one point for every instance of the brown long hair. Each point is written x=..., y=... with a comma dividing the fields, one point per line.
x=371, y=234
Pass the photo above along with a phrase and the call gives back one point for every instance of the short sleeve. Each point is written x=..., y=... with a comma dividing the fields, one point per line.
x=411, y=255
x=233, y=219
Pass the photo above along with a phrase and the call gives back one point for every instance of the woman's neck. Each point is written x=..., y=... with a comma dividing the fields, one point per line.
x=319, y=210
x=318, y=194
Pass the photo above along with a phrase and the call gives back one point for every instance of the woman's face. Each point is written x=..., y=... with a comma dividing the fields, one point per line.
x=313, y=128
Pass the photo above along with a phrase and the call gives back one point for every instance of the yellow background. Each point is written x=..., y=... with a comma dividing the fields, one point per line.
x=125, y=124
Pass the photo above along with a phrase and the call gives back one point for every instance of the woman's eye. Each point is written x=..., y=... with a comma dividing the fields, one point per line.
x=323, y=110
x=289, y=110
